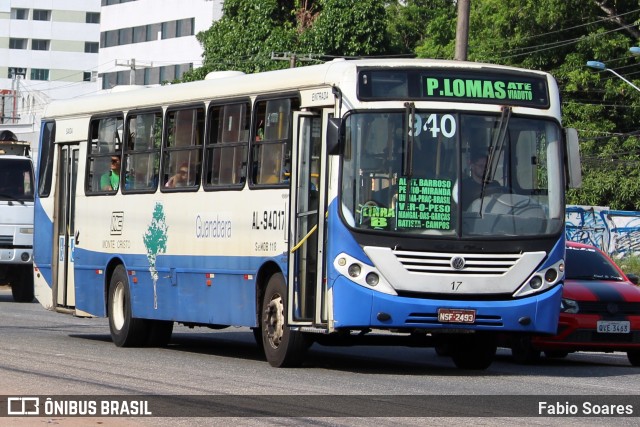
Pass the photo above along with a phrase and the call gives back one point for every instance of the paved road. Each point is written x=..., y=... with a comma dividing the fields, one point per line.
x=47, y=353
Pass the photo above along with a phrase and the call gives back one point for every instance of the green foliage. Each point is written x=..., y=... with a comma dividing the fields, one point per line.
x=348, y=28
x=629, y=264
x=558, y=36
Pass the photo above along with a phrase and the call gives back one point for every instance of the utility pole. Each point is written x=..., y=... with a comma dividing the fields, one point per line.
x=132, y=67
x=293, y=58
x=462, y=30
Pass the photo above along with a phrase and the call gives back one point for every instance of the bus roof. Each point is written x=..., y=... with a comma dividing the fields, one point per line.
x=233, y=84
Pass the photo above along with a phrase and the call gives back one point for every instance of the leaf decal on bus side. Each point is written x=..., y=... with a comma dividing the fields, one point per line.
x=155, y=241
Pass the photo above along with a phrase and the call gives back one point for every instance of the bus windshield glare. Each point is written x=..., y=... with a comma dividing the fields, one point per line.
x=452, y=174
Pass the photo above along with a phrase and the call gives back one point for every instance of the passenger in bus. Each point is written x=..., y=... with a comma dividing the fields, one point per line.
x=111, y=180
x=181, y=178
x=472, y=185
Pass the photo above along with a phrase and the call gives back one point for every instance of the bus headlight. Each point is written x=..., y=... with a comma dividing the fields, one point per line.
x=542, y=280
x=372, y=279
x=354, y=270
x=551, y=275
x=361, y=273
x=535, y=282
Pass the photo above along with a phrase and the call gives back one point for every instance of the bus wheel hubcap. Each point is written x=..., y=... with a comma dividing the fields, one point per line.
x=274, y=321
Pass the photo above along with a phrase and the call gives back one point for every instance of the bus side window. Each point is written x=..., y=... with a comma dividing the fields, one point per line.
x=142, y=155
x=271, y=152
x=183, y=148
x=226, y=148
x=105, y=134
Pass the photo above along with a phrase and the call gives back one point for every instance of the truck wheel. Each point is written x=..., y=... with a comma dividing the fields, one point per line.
x=282, y=346
x=126, y=331
x=22, y=284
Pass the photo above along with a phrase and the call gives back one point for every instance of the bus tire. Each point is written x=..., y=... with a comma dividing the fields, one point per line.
x=126, y=331
x=283, y=347
x=257, y=335
x=22, y=284
x=160, y=332
x=523, y=351
x=473, y=351
x=555, y=354
x=634, y=357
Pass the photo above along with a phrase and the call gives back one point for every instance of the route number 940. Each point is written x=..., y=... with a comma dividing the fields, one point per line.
x=444, y=124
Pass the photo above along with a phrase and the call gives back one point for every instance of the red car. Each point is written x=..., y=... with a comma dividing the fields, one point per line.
x=600, y=310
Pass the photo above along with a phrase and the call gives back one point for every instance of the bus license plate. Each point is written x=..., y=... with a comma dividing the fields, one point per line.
x=613, y=327
x=452, y=315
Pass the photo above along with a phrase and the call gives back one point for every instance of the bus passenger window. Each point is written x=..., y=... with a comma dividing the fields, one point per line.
x=183, y=150
x=271, y=152
x=226, y=148
x=106, y=146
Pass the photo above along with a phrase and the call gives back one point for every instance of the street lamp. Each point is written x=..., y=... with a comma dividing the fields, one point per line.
x=600, y=66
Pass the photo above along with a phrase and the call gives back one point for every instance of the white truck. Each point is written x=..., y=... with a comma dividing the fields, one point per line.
x=17, y=188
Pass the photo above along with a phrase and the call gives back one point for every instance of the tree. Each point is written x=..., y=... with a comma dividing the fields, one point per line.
x=560, y=36
x=557, y=36
x=251, y=30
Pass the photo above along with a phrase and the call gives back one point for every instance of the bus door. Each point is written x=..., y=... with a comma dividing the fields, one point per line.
x=63, y=288
x=308, y=189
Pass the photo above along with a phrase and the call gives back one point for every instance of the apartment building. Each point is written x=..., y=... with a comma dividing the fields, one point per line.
x=151, y=41
x=49, y=47
x=59, y=49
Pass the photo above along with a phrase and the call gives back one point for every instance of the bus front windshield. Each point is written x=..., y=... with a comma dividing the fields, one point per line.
x=452, y=174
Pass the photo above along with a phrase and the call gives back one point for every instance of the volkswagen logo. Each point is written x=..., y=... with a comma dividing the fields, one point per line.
x=613, y=308
x=457, y=263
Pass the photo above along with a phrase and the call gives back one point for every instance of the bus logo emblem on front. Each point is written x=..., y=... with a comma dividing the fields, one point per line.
x=457, y=263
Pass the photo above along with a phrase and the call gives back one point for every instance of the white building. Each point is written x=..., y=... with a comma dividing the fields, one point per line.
x=57, y=49
x=48, y=50
x=152, y=41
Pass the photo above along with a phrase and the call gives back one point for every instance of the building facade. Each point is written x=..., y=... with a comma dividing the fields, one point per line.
x=48, y=50
x=151, y=41
x=60, y=49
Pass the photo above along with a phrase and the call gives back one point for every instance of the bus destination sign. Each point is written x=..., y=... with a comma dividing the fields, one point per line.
x=483, y=86
x=504, y=89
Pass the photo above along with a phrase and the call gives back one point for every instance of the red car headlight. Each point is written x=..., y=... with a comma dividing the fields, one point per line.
x=569, y=306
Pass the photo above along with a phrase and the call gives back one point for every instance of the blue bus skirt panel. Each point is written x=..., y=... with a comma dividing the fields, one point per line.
x=43, y=243
x=188, y=294
x=355, y=306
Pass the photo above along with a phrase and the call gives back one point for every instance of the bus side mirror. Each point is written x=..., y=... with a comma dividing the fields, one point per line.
x=572, y=154
x=334, y=136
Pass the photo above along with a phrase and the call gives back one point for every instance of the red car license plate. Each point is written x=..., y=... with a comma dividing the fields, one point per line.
x=613, y=327
x=454, y=315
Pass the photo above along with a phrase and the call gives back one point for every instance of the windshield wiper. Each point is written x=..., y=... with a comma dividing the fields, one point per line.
x=10, y=198
x=497, y=143
x=595, y=277
x=410, y=119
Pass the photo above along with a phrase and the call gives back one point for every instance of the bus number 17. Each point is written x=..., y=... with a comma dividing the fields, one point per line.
x=455, y=285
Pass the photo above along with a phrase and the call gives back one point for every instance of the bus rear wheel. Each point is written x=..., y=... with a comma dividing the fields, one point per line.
x=126, y=331
x=283, y=347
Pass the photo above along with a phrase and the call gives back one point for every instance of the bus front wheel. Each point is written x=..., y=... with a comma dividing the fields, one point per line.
x=126, y=331
x=473, y=351
x=283, y=347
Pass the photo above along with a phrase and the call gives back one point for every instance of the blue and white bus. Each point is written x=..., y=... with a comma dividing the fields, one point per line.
x=323, y=204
